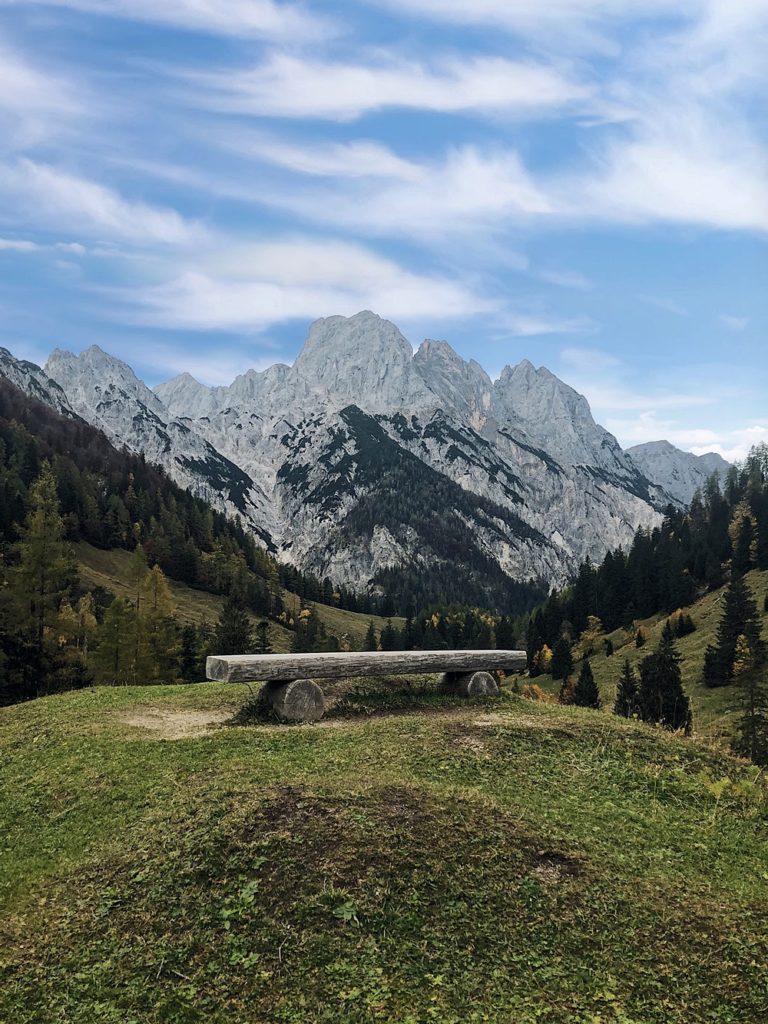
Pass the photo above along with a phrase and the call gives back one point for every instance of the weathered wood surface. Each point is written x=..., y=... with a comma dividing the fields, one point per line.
x=246, y=668
x=301, y=700
x=469, y=684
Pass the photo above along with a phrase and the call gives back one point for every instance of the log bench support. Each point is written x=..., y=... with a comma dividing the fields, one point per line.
x=292, y=692
x=301, y=700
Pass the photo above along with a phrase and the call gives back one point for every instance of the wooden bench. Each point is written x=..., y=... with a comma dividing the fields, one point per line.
x=292, y=691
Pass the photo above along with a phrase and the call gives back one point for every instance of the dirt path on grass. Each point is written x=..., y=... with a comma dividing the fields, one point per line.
x=157, y=722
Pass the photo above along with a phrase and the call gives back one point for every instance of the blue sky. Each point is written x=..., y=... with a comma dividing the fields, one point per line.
x=189, y=183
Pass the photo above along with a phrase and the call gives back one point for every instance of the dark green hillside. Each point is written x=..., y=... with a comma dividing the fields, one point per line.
x=506, y=862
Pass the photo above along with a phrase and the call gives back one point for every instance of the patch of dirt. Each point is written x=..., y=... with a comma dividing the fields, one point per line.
x=553, y=867
x=470, y=743
x=177, y=725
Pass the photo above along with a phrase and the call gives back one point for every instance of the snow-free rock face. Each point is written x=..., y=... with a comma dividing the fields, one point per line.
x=33, y=381
x=680, y=474
x=363, y=459
x=107, y=393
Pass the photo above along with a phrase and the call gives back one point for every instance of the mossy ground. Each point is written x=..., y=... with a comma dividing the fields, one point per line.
x=495, y=861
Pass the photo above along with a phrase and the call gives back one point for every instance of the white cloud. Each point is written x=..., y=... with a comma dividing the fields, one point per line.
x=25, y=245
x=251, y=287
x=290, y=22
x=55, y=199
x=530, y=325
x=288, y=86
x=734, y=323
x=36, y=104
x=361, y=158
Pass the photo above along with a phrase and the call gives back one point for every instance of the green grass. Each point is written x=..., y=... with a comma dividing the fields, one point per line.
x=111, y=570
x=715, y=711
x=501, y=861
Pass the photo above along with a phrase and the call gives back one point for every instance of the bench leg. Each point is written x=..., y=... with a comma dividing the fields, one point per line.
x=469, y=684
x=301, y=700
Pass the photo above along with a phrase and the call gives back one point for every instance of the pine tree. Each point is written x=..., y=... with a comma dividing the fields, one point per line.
x=189, y=654
x=46, y=570
x=505, y=634
x=389, y=637
x=742, y=549
x=627, y=695
x=661, y=696
x=562, y=659
x=233, y=630
x=586, y=693
x=113, y=657
x=262, y=642
x=371, y=643
x=740, y=618
x=752, y=728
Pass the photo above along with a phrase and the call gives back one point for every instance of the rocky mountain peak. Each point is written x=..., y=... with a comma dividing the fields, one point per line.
x=362, y=359
x=463, y=388
x=679, y=473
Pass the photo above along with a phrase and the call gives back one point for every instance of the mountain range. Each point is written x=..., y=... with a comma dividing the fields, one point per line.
x=376, y=466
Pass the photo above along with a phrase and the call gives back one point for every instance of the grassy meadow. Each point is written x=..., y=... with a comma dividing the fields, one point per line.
x=409, y=859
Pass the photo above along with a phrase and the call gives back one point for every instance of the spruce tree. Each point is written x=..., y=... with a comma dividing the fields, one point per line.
x=627, y=696
x=561, y=665
x=740, y=618
x=233, y=630
x=586, y=693
x=262, y=642
x=113, y=657
x=371, y=643
x=46, y=569
x=662, y=698
x=189, y=654
x=389, y=637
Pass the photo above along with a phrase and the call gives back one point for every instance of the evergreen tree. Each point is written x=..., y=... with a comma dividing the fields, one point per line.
x=586, y=693
x=262, y=642
x=740, y=618
x=561, y=665
x=46, y=569
x=751, y=738
x=742, y=550
x=627, y=693
x=233, y=630
x=113, y=657
x=189, y=654
x=505, y=634
x=371, y=643
x=661, y=697
x=389, y=637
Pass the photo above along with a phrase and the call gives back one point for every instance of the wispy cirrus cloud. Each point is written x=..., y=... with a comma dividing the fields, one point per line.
x=55, y=199
x=284, y=85
x=260, y=19
x=249, y=287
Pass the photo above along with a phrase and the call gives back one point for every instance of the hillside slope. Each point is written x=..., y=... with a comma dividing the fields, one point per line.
x=111, y=570
x=714, y=710
x=502, y=862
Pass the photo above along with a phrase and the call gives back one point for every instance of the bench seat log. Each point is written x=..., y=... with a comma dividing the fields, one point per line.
x=285, y=668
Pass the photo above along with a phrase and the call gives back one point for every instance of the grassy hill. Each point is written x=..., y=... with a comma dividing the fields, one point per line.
x=111, y=570
x=500, y=861
x=714, y=710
